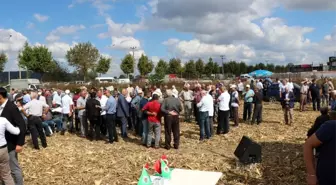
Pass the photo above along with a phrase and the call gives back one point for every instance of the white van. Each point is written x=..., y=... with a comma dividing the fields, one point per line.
x=105, y=79
x=245, y=77
x=123, y=81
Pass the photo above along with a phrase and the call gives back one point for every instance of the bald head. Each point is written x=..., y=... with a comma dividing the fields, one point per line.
x=124, y=92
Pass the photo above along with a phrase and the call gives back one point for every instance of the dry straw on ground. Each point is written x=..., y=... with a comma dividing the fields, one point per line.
x=72, y=160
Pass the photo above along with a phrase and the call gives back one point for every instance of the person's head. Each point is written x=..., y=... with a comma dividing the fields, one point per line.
x=213, y=87
x=256, y=89
x=287, y=89
x=93, y=95
x=33, y=95
x=147, y=94
x=132, y=94
x=313, y=81
x=155, y=97
x=209, y=87
x=108, y=93
x=247, y=87
x=169, y=93
x=222, y=89
x=83, y=93
x=3, y=95
x=59, y=91
x=140, y=93
x=203, y=93
x=324, y=110
x=332, y=115
x=326, y=80
x=290, y=80
x=99, y=93
x=67, y=92
x=124, y=92
x=284, y=82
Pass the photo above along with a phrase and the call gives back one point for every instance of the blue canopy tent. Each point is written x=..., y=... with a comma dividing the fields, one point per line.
x=261, y=73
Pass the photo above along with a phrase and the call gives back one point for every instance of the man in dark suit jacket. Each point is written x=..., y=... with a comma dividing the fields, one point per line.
x=14, y=143
x=123, y=112
x=288, y=101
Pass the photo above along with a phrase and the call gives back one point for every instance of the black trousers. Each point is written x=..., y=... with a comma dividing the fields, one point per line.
x=103, y=127
x=247, y=111
x=134, y=120
x=94, y=131
x=111, y=127
x=77, y=121
x=223, y=122
x=172, y=124
x=36, y=129
x=316, y=101
x=196, y=113
x=257, y=113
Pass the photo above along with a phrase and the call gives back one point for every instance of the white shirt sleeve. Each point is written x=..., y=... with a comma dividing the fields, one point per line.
x=200, y=103
x=10, y=128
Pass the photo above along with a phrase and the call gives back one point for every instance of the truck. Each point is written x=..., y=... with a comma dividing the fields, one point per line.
x=21, y=84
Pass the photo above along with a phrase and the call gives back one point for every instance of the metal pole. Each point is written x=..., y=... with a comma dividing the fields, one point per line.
x=9, y=78
x=222, y=57
x=133, y=48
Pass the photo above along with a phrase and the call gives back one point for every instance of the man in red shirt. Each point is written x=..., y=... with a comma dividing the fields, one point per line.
x=152, y=109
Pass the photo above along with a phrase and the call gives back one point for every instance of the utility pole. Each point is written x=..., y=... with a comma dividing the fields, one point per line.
x=223, y=57
x=133, y=48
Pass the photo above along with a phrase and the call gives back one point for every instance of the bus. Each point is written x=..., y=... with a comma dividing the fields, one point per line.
x=105, y=79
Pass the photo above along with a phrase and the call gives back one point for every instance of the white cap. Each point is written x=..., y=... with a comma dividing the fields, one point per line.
x=139, y=91
x=233, y=86
x=67, y=91
x=39, y=93
x=248, y=86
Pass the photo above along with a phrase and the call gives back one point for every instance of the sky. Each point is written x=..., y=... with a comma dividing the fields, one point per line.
x=277, y=31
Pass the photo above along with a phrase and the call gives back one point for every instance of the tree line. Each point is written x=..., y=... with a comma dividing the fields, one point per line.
x=89, y=63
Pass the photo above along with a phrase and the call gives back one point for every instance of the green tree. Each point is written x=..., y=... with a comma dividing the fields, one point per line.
x=161, y=68
x=83, y=56
x=209, y=68
x=174, y=66
x=190, y=69
x=145, y=66
x=127, y=64
x=199, y=67
x=3, y=61
x=242, y=68
x=37, y=58
x=59, y=73
x=103, y=65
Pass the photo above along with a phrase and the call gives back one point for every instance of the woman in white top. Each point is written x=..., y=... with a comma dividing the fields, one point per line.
x=5, y=170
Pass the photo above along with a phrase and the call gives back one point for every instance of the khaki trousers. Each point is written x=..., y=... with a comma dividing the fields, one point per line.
x=288, y=114
x=5, y=171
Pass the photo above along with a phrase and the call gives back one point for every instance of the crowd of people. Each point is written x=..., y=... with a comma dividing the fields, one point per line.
x=95, y=114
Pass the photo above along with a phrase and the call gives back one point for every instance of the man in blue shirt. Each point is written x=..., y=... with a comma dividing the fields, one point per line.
x=248, y=99
x=111, y=109
x=324, y=139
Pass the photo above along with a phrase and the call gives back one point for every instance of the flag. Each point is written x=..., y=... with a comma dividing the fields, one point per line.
x=145, y=178
x=165, y=170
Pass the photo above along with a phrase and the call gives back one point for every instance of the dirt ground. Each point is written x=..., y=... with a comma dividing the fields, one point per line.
x=73, y=160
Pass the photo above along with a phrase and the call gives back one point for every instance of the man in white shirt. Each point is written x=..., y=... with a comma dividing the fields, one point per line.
x=103, y=100
x=41, y=97
x=224, y=110
x=290, y=85
x=204, y=106
x=240, y=88
x=36, y=110
x=186, y=97
x=260, y=86
x=57, y=99
x=174, y=91
x=235, y=104
x=67, y=108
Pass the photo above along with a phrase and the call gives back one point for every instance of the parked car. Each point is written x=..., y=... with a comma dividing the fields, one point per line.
x=272, y=94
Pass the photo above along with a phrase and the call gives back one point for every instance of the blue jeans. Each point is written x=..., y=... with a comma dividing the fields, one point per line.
x=204, y=125
x=47, y=125
x=144, y=131
x=59, y=122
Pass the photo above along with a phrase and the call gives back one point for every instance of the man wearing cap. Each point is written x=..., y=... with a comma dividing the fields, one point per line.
x=67, y=108
x=248, y=99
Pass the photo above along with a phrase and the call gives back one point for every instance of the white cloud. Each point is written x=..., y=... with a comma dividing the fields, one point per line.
x=63, y=30
x=41, y=18
x=137, y=53
x=101, y=5
x=11, y=42
x=125, y=43
x=310, y=4
x=116, y=29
